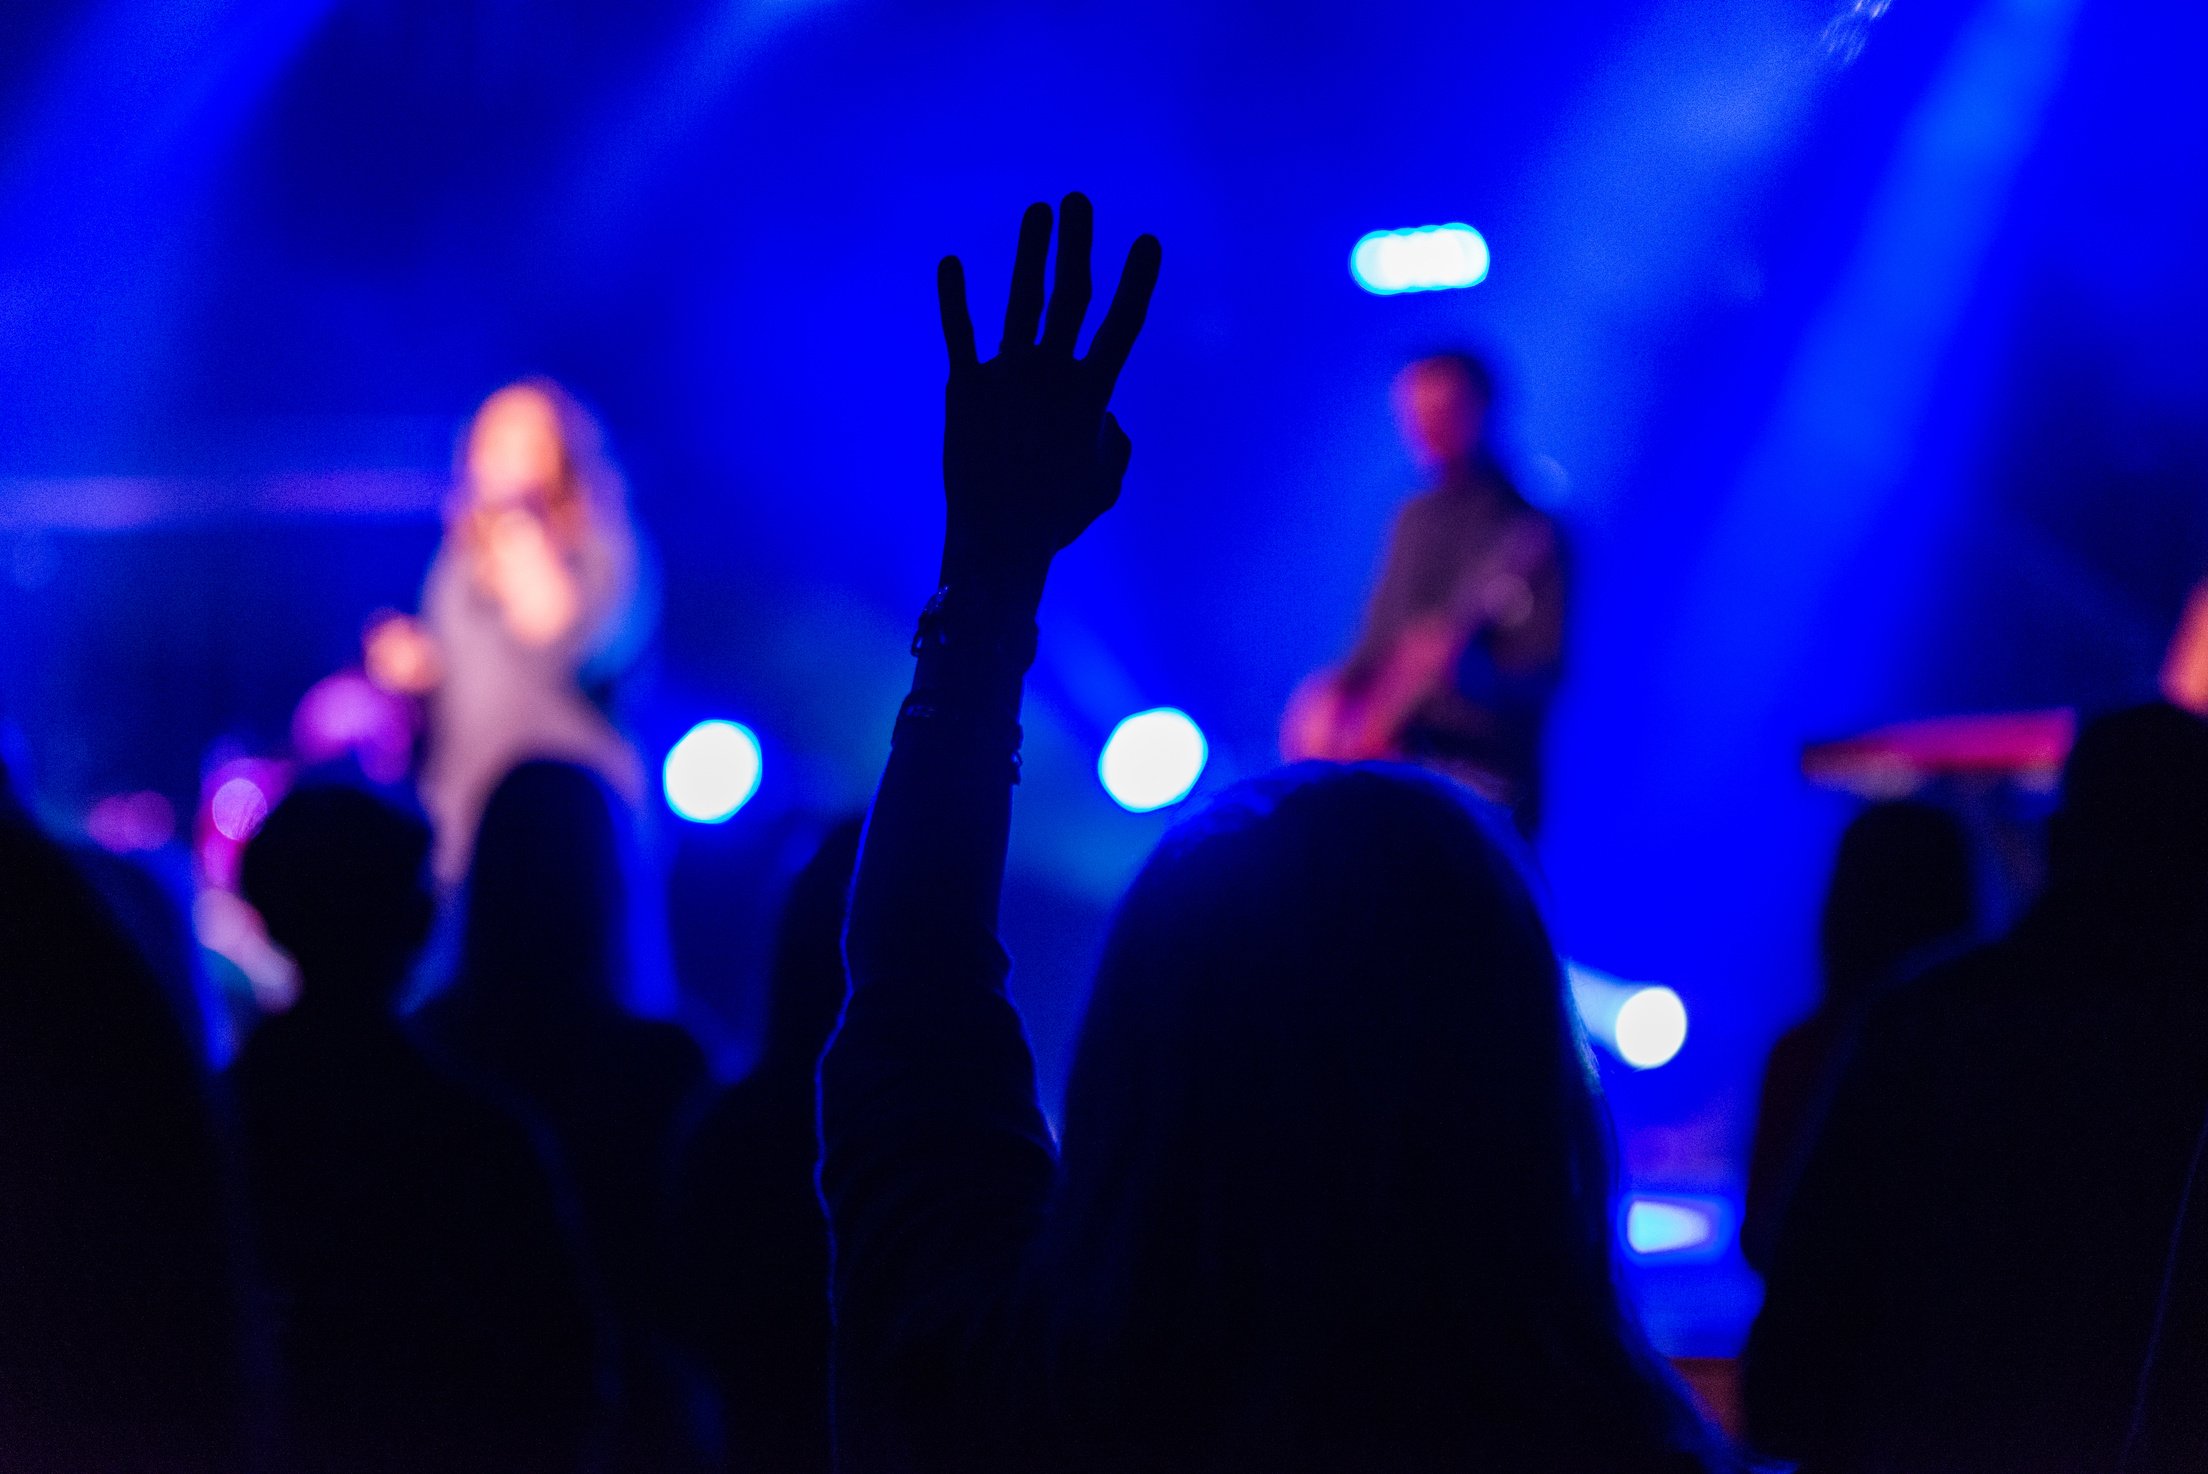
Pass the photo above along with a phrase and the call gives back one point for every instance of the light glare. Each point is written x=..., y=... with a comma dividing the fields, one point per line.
x=1643, y=1024
x=712, y=772
x=1686, y=1227
x=1152, y=759
x=1651, y=1028
x=238, y=808
x=1430, y=258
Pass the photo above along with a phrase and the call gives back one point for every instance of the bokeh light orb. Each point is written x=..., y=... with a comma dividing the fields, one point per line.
x=1651, y=1027
x=712, y=772
x=1153, y=759
x=1429, y=258
x=347, y=715
x=129, y=822
x=1688, y=1227
x=238, y=808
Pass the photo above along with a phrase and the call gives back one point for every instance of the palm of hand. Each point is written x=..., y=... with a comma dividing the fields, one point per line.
x=1031, y=454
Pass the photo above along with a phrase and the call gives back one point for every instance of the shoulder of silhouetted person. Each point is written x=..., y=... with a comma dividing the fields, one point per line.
x=663, y=1051
x=125, y=1334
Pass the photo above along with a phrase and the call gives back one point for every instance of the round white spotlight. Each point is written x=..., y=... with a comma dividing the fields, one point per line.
x=1152, y=759
x=1651, y=1027
x=712, y=772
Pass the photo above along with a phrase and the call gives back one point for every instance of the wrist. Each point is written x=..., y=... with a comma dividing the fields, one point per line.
x=992, y=573
x=974, y=645
x=978, y=627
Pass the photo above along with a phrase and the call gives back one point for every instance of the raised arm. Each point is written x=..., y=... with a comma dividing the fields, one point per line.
x=936, y=1158
x=1031, y=457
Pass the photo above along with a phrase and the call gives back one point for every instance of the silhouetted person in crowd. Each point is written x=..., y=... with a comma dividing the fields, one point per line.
x=125, y=1337
x=1903, y=891
x=755, y=1244
x=1334, y=1192
x=157, y=922
x=1968, y=1272
x=434, y=1314
x=153, y=915
x=537, y=1012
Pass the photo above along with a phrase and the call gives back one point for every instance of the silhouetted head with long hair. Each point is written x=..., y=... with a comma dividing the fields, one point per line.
x=2131, y=834
x=1334, y=1160
x=124, y=1331
x=805, y=985
x=547, y=909
x=1903, y=883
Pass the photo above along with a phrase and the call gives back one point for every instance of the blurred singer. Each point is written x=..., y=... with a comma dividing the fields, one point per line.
x=529, y=612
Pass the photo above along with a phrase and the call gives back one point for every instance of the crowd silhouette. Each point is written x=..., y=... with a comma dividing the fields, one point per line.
x=127, y=1328
x=752, y=1240
x=431, y=1304
x=1903, y=887
x=1334, y=1186
x=1980, y=1265
x=538, y=1012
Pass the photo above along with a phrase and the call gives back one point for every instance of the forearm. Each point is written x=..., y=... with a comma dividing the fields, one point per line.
x=936, y=1162
x=931, y=871
x=935, y=1157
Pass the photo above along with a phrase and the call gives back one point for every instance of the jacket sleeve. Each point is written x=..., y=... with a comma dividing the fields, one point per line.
x=936, y=1160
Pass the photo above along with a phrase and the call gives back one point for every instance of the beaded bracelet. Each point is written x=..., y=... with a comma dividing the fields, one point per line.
x=973, y=621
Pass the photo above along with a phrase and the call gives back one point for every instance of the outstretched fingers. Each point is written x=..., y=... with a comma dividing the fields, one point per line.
x=958, y=323
x=1023, y=310
x=1122, y=324
x=1070, y=286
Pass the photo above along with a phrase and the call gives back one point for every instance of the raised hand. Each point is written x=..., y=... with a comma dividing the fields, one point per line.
x=1031, y=454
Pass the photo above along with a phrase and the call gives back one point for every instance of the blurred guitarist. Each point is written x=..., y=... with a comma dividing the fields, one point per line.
x=1464, y=639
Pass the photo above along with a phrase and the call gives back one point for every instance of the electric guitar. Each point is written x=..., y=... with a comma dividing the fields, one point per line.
x=1362, y=711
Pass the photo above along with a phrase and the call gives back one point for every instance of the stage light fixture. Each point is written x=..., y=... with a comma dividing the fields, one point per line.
x=1677, y=1227
x=1430, y=258
x=712, y=772
x=1651, y=1027
x=1152, y=759
x=1643, y=1024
